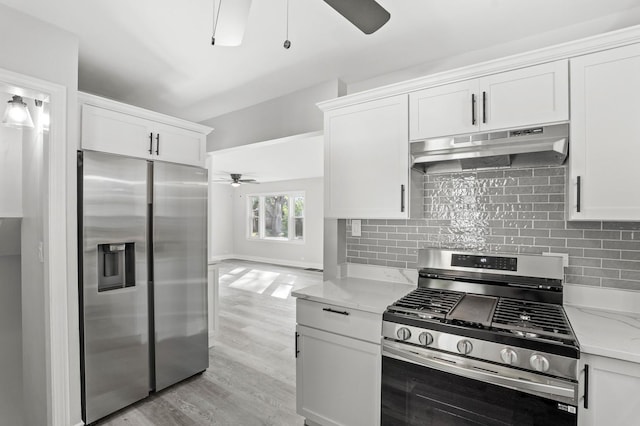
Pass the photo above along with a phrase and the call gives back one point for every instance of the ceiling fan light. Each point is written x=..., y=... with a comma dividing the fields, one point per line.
x=231, y=22
x=17, y=114
x=235, y=184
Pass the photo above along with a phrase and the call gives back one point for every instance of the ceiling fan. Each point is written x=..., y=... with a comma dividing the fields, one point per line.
x=230, y=17
x=236, y=180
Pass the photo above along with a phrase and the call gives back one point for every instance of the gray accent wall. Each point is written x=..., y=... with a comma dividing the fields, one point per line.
x=504, y=211
x=288, y=115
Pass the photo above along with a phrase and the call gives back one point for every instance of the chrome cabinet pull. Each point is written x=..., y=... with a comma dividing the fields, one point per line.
x=402, y=198
x=473, y=109
x=484, y=107
x=578, y=195
x=151, y=143
x=333, y=311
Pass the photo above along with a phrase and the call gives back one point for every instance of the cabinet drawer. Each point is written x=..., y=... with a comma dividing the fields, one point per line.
x=340, y=320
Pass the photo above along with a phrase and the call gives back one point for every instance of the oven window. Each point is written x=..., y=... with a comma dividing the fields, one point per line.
x=414, y=395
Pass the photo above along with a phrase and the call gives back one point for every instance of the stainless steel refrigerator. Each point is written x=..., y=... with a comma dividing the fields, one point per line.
x=142, y=272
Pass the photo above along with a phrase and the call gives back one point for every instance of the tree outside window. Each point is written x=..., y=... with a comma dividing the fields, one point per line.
x=276, y=216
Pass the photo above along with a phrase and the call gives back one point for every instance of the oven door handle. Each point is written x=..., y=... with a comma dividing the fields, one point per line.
x=485, y=375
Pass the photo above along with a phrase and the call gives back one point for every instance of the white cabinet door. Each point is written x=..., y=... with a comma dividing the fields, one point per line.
x=605, y=135
x=525, y=97
x=367, y=160
x=612, y=392
x=444, y=110
x=337, y=379
x=179, y=145
x=117, y=133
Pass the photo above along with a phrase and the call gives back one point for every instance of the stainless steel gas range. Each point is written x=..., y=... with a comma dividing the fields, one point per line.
x=483, y=340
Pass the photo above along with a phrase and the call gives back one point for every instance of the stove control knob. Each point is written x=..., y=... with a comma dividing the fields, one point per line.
x=509, y=356
x=425, y=338
x=539, y=363
x=465, y=347
x=403, y=333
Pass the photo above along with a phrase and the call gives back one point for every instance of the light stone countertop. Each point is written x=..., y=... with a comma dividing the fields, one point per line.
x=356, y=293
x=606, y=333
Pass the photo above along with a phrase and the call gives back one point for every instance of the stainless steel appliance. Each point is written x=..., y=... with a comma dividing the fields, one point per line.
x=142, y=242
x=533, y=146
x=483, y=340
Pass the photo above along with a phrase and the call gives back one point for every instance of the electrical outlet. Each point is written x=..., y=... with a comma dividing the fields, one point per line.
x=356, y=228
x=564, y=256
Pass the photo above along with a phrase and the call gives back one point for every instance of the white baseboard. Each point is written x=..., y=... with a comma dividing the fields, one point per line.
x=274, y=261
x=79, y=424
x=212, y=337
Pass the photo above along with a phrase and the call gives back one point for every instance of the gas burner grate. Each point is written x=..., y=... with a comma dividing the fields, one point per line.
x=427, y=303
x=532, y=319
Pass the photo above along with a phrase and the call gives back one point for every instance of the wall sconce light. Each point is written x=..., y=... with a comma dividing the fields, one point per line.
x=17, y=114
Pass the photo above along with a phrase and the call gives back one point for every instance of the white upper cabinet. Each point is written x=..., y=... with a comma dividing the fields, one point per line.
x=109, y=131
x=605, y=135
x=444, y=110
x=109, y=126
x=367, y=160
x=523, y=97
x=179, y=145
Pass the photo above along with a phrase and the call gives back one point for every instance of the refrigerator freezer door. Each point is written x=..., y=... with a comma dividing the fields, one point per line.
x=114, y=283
x=180, y=272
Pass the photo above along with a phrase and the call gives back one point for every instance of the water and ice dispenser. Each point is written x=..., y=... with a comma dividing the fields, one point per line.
x=116, y=266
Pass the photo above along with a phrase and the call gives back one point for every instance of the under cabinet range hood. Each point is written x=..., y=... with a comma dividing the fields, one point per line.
x=533, y=146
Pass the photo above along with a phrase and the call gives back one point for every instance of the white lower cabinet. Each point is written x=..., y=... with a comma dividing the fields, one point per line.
x=337, y=376
x=611, y=390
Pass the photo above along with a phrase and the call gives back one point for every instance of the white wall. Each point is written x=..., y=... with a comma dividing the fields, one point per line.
x=10, y=167
x=221, y=202
x=37, y=49
x=34, y=344
x=307, y=254
x=287, y=115
x=10, y=324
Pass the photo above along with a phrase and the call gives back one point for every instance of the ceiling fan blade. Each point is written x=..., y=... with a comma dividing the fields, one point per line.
x=231, y=21
x=367, y=15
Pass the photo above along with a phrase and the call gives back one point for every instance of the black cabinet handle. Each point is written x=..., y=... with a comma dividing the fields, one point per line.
x=151, y=143
x=296, y=337
x=402, y=198
x=333, y=311
x=157, y=143
x=484, y=107
x=473, y=109
x=578, y=190
x=586, y=387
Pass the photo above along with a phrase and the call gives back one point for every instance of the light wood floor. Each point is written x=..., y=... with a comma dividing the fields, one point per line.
x=251, y=375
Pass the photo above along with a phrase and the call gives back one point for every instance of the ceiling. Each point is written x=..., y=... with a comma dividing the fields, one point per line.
x=295, y=157
x=157, y=53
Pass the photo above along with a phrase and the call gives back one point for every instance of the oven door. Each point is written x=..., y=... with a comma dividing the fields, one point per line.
x=425, y=387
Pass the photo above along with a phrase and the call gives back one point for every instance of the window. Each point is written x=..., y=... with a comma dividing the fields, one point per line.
x=276, y=216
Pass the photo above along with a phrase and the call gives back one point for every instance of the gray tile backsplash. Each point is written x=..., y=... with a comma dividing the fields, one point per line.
x=505, y=211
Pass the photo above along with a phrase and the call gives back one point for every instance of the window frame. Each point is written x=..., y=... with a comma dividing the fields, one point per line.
x=292, y=195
